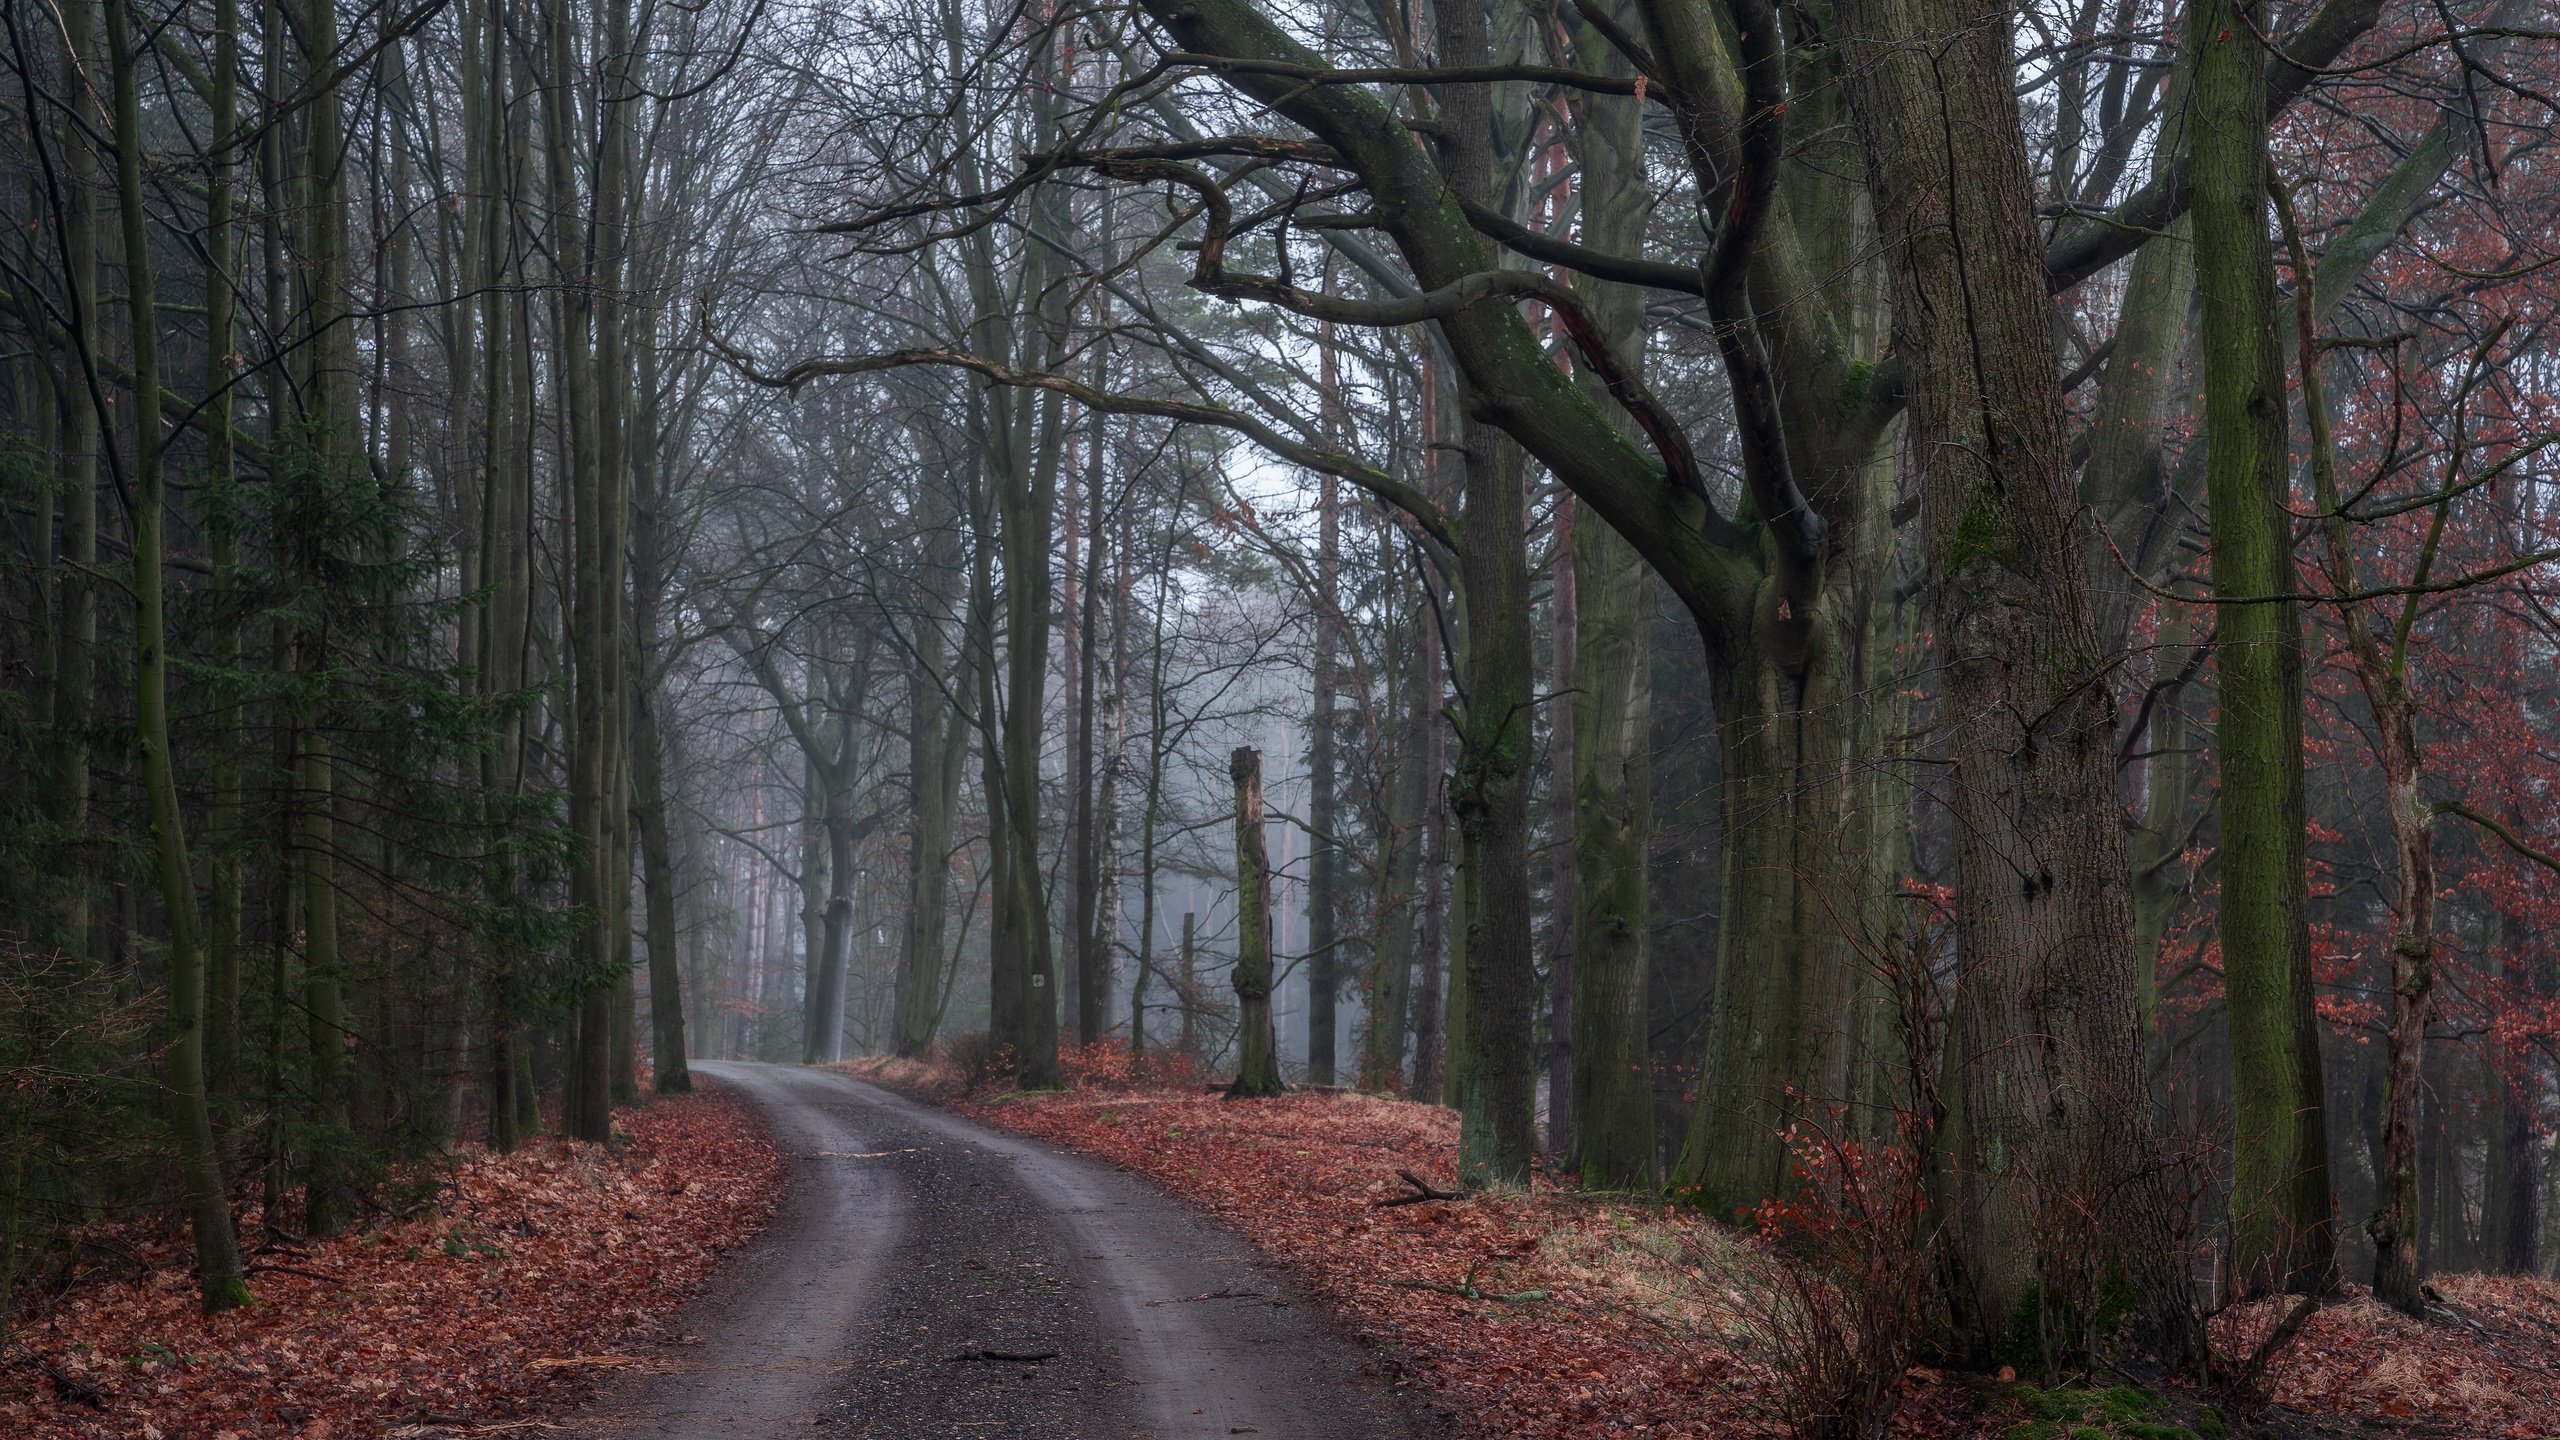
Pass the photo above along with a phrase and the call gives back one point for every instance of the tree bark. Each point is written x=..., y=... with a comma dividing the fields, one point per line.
x=1612, y=1092
x=1490, y=794
x=1188, y=975
x=2281, y=1202
x=1324, y=984
x=939, y=688
x=1607, y=769
x=1564, y=768
x=219, y=1285
x=1257, y=1049
x=2519, y=1138
x=2382, y=672
x=223, y=807
x=1083, y=650
x=1431, y=921
x=73, y=697
x=1412, y=696
x=2058, y=1126
x=660, y=875
x=330, y=387
x=659, y=880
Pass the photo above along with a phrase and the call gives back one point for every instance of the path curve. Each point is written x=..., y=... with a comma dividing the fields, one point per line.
x=918, y=1261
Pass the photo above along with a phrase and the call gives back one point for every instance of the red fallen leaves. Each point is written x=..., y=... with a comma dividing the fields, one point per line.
x=555, y=1254
x=1619, y=1344
x=1643, y=1329
x=2493, y=1370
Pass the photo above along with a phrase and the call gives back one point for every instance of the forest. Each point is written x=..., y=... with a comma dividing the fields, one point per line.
x=1930, y=617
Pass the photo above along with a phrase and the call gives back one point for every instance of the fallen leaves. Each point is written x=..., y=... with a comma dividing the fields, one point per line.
x=490, y=1309
x=1541, y=1315
x=1639, y=1326
x=2486, y=1363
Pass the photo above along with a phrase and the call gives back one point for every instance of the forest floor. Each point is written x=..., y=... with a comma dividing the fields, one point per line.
x=515, y=1282
x=1554, y=1314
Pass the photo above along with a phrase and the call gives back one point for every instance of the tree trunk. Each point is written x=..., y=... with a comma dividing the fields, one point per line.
x=1610, y=776
x=1490, y=793
x=223, y=808
x=74, y=688
x=1413, y=696
x=1324, y=983
x=2519, y=1138
x=1031, y=959
x=822, y=1038
x=1257, y=1050
x=1431, y=924
x=1189, y=977
x=219, y=1285
x=1614, y=1145
x=939, y=683
x=659, y=879
x=1082, y=611
x=1564, y=734
x=2053, y=1209
x=587, y=604
x=326, y=1199
x=626, y=989
x=1777, y=1046
x=2281, y=1203
x=1154, y=811
x=1028, y=497
x=1491, y=799
x=330, y=387
x=2382, y=672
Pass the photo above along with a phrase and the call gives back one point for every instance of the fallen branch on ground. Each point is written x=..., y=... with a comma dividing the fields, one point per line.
x=66, y=1385
x=1422, y=1191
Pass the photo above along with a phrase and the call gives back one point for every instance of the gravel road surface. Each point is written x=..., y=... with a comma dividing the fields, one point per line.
x=927, y=1277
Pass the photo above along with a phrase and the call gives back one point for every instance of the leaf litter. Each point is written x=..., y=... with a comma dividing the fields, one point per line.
x=1558, y=1314
x=532, y=1279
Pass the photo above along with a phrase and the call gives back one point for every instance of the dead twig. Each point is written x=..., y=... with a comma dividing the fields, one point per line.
x=2245, y=1381
x=1422, y=1191
x=66, y=1385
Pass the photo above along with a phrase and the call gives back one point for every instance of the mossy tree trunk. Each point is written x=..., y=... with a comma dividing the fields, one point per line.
x=1490, y=792
x=2281, y=1201
x=1610, y=775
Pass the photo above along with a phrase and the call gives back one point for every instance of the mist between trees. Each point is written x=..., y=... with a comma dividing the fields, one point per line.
x=1708, y=583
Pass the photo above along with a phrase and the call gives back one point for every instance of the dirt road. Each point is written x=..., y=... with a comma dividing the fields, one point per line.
x=927, y=1277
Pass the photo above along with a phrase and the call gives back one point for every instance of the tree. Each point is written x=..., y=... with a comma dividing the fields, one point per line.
x=1258, y=1057
x=2281, y=1201
x=219, y=1283
x=2042, y=919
